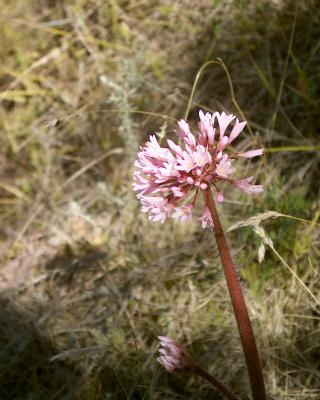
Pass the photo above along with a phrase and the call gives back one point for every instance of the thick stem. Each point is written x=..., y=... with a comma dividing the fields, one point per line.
x=238, y=303
x=223, y=389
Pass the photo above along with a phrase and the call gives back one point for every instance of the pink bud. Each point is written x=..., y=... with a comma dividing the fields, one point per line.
x=190, y=180
x=220, y=197
x=174, y=357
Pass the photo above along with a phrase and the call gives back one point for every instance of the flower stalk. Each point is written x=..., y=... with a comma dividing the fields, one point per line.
x=238, y=303
x=214, y=382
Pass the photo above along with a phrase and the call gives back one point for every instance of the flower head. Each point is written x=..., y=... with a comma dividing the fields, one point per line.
x=165, y=177
x=173, y=356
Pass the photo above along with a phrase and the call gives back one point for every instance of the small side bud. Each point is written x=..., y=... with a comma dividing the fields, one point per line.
x=174, y=357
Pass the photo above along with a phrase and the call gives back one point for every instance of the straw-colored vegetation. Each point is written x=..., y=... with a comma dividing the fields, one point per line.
x=85, y=279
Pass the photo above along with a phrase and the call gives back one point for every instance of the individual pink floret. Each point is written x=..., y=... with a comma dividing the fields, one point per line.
x=223, y=167
x=183, y=213
x=223, y=121
x=246, y=186
x=206, y=218
x=251, y=153
x=168, y=179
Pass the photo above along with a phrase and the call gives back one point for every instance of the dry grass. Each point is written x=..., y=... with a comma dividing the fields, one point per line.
x=85, y=280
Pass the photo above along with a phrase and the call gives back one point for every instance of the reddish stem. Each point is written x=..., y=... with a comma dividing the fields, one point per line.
x=239, y=305
x=223, y=389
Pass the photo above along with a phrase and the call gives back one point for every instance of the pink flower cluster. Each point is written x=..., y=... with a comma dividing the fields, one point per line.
x=173, y=356
x=166, y=177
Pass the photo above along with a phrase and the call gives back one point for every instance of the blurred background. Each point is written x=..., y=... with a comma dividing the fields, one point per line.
x=87, y=283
